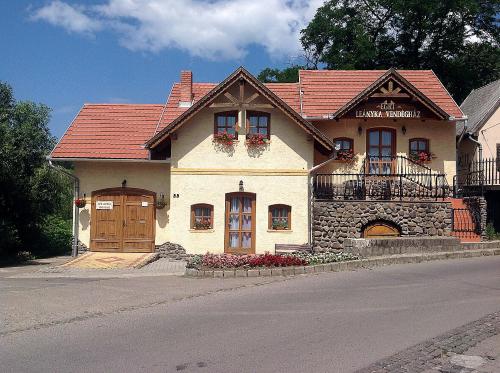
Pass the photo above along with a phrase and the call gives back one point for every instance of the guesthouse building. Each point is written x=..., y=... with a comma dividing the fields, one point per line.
x=240, y=166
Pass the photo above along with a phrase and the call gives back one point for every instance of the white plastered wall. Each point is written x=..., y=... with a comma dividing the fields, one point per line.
x=100, y=175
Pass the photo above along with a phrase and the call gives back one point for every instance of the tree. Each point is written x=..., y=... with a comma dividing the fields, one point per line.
x=30, y=192
x=287, y=75
x=458, y=39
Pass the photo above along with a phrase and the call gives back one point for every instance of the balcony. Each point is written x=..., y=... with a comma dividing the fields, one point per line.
x=383, y=178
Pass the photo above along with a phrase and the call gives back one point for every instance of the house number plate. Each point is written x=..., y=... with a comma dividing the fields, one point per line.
x=104, y=205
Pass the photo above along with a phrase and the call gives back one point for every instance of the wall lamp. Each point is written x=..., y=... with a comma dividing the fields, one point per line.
x=404, y=130
x=360, y=130
x=241, y=186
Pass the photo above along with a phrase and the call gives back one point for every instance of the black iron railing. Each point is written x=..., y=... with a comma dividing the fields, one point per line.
x=465, y=220
x=380, y=187
x=383, y=178
x=476, y=176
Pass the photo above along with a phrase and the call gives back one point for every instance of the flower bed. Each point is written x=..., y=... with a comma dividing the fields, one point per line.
x=228, y=261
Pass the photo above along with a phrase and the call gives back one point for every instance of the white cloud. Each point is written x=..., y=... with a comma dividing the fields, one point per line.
x=214, y=29
x=71, y=18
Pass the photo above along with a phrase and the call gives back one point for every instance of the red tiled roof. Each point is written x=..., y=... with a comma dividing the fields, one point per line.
x=120, y=131
x=109, y=131
x=326, y=91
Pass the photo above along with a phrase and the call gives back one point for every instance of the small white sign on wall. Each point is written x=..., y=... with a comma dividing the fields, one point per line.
x=144, y=204
x=104, y=205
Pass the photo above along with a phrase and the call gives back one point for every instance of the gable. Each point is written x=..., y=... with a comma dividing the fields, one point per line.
x=243, y=78
x=390, y=97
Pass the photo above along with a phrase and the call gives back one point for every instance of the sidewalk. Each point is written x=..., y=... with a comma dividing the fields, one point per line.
x=471, y=348
x=51, y=268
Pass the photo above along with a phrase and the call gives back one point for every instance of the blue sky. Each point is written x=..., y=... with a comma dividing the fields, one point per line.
x=67, y=53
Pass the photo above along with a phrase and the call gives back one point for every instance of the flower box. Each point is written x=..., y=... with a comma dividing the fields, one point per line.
x=344, y=155
x=224, y=139
x=421, y=157
x=203, y=224
x=256, y=140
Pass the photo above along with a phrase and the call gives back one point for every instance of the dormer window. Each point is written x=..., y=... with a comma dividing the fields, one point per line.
x=259, y=123
x=225, y=122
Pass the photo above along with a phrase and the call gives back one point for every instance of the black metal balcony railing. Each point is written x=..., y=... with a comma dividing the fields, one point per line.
x=383, y=178
x=476, y=176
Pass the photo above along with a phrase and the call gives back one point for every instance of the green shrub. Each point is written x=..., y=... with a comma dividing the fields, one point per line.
x=491, y=234
x=56, y=237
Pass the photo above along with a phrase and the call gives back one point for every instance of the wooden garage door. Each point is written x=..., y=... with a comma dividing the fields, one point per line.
x=122, y=220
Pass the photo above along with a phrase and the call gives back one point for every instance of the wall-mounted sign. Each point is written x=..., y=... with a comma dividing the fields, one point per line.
x=388, y=109
x=104, y=205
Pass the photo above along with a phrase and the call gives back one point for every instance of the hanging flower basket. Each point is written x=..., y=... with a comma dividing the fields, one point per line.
x=256, y=140
x=421, y=157
x=345, y=155
x=80, y=203
x=224, y=139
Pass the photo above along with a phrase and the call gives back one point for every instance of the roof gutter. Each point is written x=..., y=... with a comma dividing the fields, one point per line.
x=76, y=193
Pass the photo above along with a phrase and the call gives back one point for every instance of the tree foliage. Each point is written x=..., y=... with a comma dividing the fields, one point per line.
x=287, y=75
x=458, y=39
x=30, y=192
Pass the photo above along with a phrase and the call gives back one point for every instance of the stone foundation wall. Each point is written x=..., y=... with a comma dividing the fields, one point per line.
x=335, y=221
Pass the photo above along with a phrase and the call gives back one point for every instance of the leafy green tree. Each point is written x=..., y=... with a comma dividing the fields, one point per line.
x=458, y=39
x=287, y=75
x=30, y=192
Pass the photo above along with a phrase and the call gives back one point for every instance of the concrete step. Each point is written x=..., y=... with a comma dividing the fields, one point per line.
x=401, y=245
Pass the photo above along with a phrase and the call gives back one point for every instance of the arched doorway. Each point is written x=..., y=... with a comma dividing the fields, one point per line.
x=123, y=220
x=381, y=229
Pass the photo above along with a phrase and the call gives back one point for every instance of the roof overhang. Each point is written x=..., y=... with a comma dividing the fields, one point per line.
x=238, y=74
x=128, y=160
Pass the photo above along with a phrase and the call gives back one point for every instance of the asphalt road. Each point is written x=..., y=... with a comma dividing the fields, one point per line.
x=331, y=322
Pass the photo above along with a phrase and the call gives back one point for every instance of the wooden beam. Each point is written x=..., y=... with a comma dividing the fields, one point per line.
x=252, y=98
x=391, y=95
x=231, y=98
x=222, y=105
x=242, y=90
x=259, y=106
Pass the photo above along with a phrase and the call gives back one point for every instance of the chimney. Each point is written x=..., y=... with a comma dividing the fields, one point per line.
x=186, y=98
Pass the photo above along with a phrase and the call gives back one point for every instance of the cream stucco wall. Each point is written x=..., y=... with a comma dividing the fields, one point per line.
x=289, y=148
x=489, y=135
x=441, y=137
x=203, y=173
x=93, y=176
x=212, y=189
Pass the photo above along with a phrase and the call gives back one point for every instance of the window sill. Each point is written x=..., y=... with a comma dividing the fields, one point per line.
x=202, y=230
x=280, y=231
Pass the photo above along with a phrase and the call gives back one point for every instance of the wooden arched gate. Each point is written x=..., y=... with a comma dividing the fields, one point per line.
x=381, y=229
x=122, y=220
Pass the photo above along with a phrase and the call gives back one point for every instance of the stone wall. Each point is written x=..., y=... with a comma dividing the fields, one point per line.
x=335, y=221
x=173, y=251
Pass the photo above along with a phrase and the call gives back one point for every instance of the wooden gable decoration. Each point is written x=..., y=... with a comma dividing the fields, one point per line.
x=391, y=97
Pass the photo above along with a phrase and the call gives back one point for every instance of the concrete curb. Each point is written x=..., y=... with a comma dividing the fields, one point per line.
x=350, y=265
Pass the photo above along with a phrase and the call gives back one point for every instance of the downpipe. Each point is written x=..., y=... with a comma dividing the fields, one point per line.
x=76, y=193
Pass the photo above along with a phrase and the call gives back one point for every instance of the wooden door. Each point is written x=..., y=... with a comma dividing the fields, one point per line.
x=240, y=223
x=381, y=151
x=138, y=223
x=122, y=220
x=106, y=221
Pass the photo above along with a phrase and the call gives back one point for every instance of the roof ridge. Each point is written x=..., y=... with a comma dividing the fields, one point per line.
x=119, y=104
